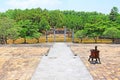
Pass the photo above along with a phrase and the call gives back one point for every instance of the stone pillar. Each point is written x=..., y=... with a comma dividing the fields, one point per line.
x=46, y=36
x=65, y=34
x=54, y=34
x=73, y=35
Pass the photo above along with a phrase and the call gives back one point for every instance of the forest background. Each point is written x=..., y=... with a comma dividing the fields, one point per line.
x=31, y=23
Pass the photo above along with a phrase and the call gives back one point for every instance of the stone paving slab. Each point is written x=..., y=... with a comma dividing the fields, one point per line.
x=61, y=64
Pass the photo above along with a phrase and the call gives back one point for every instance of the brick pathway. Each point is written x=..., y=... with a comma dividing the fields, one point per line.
x=110, y=59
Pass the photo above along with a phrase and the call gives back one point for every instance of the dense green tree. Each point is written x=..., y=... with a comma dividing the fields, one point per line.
x=29, y=30
x=10, y=14
x=81, y=34
x=13, y=33
x=8, y=29
x=112, y=33
x=56, y=19
x=43, y=25
x=92, y=31
x=113, y=14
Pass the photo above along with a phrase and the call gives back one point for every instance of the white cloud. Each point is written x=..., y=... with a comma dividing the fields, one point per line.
x=2, y=10
x=23, y=4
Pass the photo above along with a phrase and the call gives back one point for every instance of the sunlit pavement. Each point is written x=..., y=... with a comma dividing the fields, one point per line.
x=61, y=64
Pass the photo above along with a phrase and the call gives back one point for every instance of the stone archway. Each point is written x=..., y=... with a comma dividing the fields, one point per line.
x=60, y=35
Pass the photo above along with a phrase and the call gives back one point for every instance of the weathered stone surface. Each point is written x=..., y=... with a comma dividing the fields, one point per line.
x=61, y=64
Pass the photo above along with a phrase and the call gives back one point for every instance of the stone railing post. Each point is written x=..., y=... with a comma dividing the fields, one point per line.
x=46, y=36
x=73, y=35
x=54, y=34
x=65, y=34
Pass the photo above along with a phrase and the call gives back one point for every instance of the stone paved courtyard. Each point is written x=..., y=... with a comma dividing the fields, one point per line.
x=109, y=69
x=18, y=62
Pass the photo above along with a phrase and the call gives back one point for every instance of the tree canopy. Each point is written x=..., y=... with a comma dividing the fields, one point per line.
x=8, y=29
x=32, y=22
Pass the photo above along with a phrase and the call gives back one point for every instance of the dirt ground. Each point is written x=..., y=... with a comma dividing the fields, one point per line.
x=18, y=62
x=109, y=69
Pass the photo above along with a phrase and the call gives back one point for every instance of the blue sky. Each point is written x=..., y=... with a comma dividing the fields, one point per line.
x=103, y=6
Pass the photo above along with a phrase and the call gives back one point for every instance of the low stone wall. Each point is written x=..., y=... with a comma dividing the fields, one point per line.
x=117, y=41
x=51, y=39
